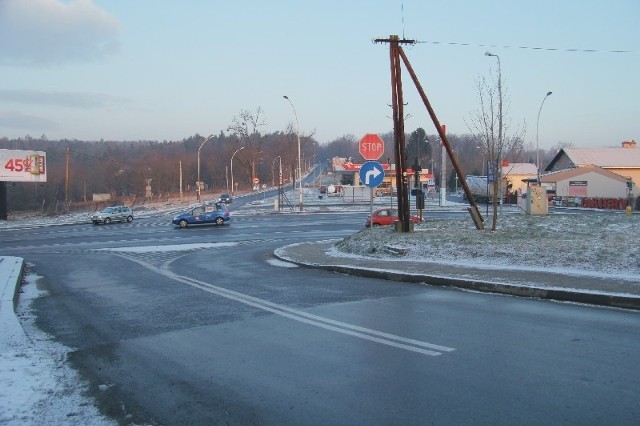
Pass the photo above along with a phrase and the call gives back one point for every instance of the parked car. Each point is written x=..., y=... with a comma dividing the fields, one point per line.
x=386, y=216
x=112, y=214
x=205, y=214
x=225, y=198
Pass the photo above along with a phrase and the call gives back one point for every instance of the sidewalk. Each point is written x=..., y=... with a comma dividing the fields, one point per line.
x=611, y=291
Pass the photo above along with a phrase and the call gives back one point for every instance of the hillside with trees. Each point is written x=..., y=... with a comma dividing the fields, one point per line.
x=78, y=169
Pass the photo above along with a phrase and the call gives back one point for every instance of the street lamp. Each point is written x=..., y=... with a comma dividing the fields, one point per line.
x=198, y=183
x=299, y=165
x=498, y=166
x=537, y=125
x=234, y=154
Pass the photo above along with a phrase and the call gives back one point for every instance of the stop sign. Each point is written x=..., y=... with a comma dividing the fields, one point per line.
x=371, y=146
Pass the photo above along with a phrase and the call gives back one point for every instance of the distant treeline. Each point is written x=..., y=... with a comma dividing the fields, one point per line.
x=78, y=169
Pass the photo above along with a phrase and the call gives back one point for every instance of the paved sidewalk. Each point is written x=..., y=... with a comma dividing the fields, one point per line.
x=612, y=291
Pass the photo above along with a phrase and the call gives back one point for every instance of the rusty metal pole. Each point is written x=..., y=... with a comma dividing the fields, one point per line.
x=475, y=213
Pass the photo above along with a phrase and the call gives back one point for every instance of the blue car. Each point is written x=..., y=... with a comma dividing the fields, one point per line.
x=204, y=214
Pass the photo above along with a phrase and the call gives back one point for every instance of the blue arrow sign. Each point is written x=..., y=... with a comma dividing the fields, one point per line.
x=371, y=174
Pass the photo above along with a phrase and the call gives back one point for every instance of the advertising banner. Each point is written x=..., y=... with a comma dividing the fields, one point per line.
x=23, y=166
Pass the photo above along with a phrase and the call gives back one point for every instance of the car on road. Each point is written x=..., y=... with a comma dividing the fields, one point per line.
x=225, y=198
x=386, y=216
x=204, y=214
x=112, y=214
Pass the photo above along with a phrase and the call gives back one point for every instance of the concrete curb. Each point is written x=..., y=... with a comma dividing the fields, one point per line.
x=11, y=269
x=563, y=295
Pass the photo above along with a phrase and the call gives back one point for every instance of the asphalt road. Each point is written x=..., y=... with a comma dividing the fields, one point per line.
x=204, y=326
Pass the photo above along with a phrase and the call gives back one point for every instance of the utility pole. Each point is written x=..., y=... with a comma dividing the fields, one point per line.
x=397, y=54
x=443, y=177
x=402, y=184
x=180, y=180
x=66, y=180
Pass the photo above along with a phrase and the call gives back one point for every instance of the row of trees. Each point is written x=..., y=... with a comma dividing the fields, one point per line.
x=78, y=169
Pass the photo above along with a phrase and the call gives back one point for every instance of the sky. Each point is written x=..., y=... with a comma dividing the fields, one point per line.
x=166, y=70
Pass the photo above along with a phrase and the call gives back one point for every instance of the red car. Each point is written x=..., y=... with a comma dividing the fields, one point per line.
x=386, y=216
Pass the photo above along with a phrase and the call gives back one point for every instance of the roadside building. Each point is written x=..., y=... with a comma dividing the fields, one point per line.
x=623, y=161
x=514, y=176
x=587, y=186
x=347, y=173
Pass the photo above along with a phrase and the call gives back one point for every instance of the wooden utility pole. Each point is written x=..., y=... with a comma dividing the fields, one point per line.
x=396, y=55
x=66, y=180
x=180, y=180
x=402, y=184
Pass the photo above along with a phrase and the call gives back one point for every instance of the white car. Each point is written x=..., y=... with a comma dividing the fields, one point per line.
x=112, y=214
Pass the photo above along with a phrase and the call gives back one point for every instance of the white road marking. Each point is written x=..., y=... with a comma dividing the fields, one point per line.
x=281, y=263
x=168, y=248
x=304, y=317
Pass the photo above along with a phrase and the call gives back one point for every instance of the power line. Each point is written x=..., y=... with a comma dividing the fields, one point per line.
x=551, y=49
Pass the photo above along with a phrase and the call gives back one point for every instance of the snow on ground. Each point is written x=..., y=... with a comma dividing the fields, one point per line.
x=39, y=387
x=592, y=243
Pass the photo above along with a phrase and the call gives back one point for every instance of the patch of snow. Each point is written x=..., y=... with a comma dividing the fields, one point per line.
x=587, y=244
x=281, y=264
x=38, y=385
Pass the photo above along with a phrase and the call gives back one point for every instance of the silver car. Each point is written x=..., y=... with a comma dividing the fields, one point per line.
x=112, y=214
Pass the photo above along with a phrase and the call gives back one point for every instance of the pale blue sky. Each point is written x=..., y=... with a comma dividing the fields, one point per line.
x=165, y=70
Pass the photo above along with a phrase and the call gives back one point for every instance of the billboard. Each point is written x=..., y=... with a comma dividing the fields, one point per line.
x=23, y=166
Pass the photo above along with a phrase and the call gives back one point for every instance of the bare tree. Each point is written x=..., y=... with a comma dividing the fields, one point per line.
x=491, y=131
x=246, y=127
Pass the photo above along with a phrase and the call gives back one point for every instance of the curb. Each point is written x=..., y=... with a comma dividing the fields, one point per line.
x=11, y=272
x=12, y=269
x=597, y=299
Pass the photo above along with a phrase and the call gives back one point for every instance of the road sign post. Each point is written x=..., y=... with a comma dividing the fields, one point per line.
x=371, y=175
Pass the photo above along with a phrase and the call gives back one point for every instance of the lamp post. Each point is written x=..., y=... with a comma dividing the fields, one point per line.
x=537, y=125
x=498, y=165
x=198, y=183
x=499, y=96
x=299, y=161
x=234, y=154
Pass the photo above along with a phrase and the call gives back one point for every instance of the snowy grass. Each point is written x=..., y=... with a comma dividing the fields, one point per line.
x=606, y=243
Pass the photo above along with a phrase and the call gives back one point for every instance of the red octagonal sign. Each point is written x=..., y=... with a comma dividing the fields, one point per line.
x=371, y=146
